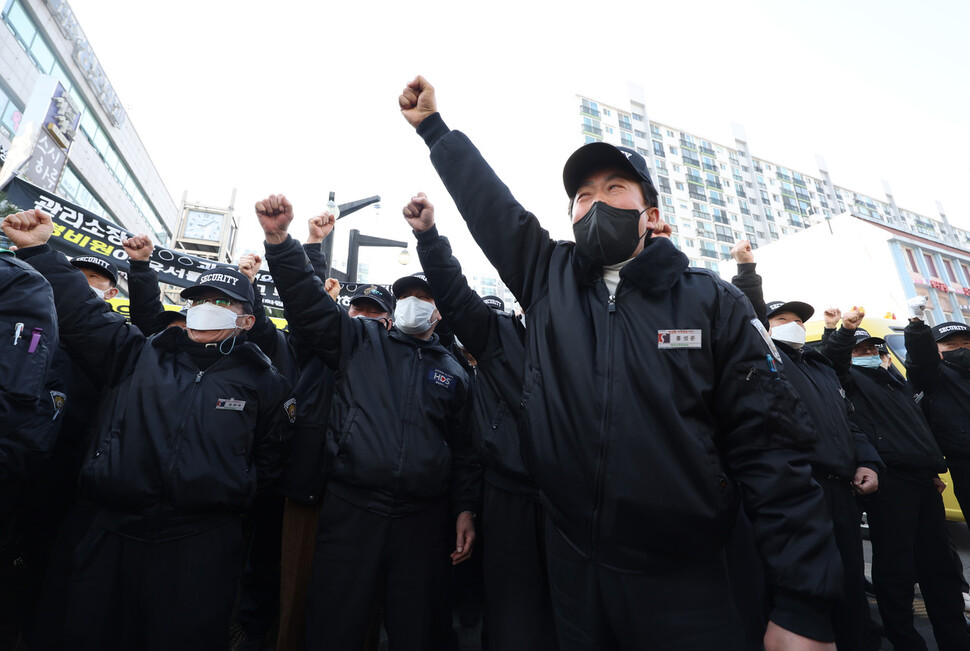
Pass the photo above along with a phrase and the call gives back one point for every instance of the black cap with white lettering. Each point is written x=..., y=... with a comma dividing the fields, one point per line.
x=948, y=329
x=224, y=280
x=402, y=285
x=100, y=265
x=597, y=156
x=862, y=336
x=494, y=302
x=375, y=293
x=804, y=311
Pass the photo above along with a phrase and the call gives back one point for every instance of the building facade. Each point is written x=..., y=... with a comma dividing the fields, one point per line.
x=714, y=194
x=109, y=171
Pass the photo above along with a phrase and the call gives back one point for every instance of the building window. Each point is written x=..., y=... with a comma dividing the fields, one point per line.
x=949, y=271
x=606, y=112
x=637, y=117
x=930, y=265
x=911, y=260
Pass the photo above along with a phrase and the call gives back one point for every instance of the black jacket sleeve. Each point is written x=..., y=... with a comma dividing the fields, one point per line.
x=511, y=237
x=468, y=317
x=924, y=367
x=101, y=341
x=838, y=348
x=273, y=433
x=316, y=256
x=766, y=445
x=749, y=283
x=145, y=297
x=319, y=323
x=865, y=452
x=467, y=472
x=263, y=332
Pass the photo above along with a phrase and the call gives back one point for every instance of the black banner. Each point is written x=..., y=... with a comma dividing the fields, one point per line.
x=79, y=232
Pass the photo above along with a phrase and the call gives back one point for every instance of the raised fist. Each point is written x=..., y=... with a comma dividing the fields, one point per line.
x=419, y=213
x=741, y=252
x=275, y=213
x=417, y=101
x=249, y=265
x=28, y=228
x=139, y=247
x=832, y=316
x=917, y=308
x=332, y=287
x=852, y=318
x=320, y=227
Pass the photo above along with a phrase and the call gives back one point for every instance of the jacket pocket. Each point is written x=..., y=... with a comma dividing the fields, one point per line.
x=343, y=438
x=23, y=373
x=786, y=423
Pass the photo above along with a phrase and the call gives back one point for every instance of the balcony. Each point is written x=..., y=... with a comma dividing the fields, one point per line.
x=717, y=202
x=710, y=168
x=594, y=131
x=687, y=144
x=700, y=215
x=714, y=184
x=692, y=161
x=708, y=151
x=585, y=110
x=721, y=219
x=725, y=238
x=709, y=253
x=626, y=125
x=745, y=211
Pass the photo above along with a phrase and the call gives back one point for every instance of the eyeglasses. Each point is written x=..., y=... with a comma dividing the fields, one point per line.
x=217, y=301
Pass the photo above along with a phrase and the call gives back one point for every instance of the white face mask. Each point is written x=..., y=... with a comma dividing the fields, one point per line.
x=412, y=316
x=97, y=292
x=210, y=317
x=789, y=333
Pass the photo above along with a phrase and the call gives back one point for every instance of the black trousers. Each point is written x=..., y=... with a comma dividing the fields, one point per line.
x=358, y=553
x=259, y=598
x=125, y=594
x=850, y=616
x=518, y=611
x=910, y=543
x=603, y=609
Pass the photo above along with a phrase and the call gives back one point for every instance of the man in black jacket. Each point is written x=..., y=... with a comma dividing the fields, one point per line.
x=650, y=397
x=844, y=462
x=192, y=421
x=518, y=613
x=907, y=523
x=938, y=366
x=396, y=451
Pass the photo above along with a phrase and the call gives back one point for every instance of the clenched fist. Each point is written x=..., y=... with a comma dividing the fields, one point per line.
x=28, y=228
x=139, y=247
x=741, y=252
x=419, y=213
x=417, y=101
x=249, y=265
x=320, y=227
x=275, y=213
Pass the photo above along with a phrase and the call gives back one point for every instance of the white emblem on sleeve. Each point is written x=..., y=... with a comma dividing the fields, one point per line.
x=764, y=335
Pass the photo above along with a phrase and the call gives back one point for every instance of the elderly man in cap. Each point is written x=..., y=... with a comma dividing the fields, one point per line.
x=844, y=462
x=907, y=523
x=194, y=422
x=401, y=471
x=101, y=274
x=652, y=403
x=938, y=366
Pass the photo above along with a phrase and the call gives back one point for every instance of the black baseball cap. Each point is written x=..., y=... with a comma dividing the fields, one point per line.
x=862, y=336
x=168, y=317
x=599, y=155
x=406, y=283
x=102, y=266
x=494, y=302
x=374, y=293
x=225, y=280
x=803, y=310
x=944, y=330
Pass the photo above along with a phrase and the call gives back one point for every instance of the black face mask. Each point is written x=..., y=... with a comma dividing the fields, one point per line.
x=608, y=235
x=959, y=357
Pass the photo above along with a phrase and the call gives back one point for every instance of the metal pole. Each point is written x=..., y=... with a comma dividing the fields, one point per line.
x=353, y=248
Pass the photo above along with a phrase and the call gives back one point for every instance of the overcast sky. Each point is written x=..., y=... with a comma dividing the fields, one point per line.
x=301, y=98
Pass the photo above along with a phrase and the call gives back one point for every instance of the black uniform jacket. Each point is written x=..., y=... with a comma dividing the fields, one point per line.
x=26, y=403
x=945, y=388
x=886, y=410
x=398, y=416
x=633, y=430
x=170, y=440
x=840, y=447
x=497, y=342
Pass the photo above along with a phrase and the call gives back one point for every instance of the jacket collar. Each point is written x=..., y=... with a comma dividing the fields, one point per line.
x=175, y=339
x=655, y=270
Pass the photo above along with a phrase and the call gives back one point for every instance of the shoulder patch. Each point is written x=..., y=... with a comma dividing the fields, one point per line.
x=59, y=399
x=290, y=408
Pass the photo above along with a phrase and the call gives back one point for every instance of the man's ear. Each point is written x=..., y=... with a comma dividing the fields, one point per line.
x=111, y=293
x=247, y=321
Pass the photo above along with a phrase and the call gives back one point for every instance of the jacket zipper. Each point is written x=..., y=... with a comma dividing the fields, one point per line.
x=181, y=428
x=600, y=475
x=405, y=434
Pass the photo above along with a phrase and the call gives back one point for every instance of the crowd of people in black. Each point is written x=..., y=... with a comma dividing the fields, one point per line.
x=647, y=458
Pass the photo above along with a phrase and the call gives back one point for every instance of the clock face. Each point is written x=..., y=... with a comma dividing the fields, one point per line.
x=203, y=226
